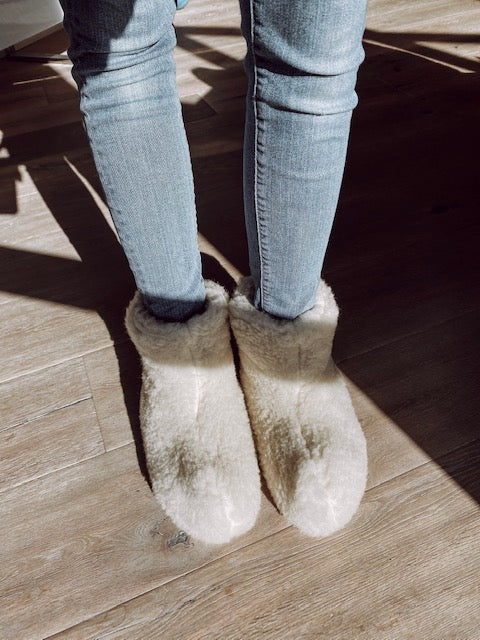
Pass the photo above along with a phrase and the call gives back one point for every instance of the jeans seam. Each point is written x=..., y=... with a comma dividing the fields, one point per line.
x=255, y=146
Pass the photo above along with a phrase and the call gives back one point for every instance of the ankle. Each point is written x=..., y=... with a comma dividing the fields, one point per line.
x=167, y=310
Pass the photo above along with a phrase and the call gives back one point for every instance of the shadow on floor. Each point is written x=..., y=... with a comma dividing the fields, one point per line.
x=403, y=257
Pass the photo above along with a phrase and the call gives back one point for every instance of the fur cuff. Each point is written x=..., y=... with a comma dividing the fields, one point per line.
x=285, y=348
x=172, y=341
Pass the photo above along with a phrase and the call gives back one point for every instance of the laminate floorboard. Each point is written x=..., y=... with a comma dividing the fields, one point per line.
x=115, y=392
x=25, y=398
x=48, y=443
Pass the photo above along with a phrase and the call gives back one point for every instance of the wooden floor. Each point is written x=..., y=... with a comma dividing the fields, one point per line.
x=85, y=551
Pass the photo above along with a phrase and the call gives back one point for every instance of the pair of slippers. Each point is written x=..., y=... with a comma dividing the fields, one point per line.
x=197, y=424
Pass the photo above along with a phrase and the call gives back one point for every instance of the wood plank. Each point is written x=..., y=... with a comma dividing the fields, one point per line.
x=48, y=185
x=58, y=89
x=455, y=52
x=95, y=538
x=218, y=180
x=405, y=15
x=17, y=95
x=36, y=118
x=412, y=289
x=20, y=197
x=53, y=333
x=114, y=374
x=9, y=176
x=65, y=254
x=378, y=579
x=427, y=384
x=391, y=450
x=28, y=397
x=15, y=73
x=217, y=135
x=210, y=19
x=48, y=267
x=220, y=76
x=26, y=145
x=435, y=190
x=418, y=74
x=55, y=42
x=194, y=108
x=49, y=443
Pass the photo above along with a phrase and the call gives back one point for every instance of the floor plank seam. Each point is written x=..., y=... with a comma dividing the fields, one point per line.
x=182, y=51
x=58, y=362
x=59, y=232
x=436, y=460
x=410, y=334
x=85, y=369
x=50, y=473
x=45, y=414
x=39, y=160
x=348, y=203
x=67, y=466
x=161, y=585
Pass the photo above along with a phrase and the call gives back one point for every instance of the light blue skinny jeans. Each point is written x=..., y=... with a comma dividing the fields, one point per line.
x=301, y=65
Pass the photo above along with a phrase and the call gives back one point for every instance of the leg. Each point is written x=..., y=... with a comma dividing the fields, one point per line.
x=123, y=65
x=197, y=439
x=301, y=65
x=302, y=62
x=310, y=444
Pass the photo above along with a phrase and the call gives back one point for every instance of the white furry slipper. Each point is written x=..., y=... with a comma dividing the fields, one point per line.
x=311, y=447
x=197, y=438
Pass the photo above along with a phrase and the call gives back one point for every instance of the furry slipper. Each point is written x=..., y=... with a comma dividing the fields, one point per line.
x=311, y=447
x=197, y=438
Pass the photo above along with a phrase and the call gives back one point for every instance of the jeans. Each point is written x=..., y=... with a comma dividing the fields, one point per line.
x=301, y=63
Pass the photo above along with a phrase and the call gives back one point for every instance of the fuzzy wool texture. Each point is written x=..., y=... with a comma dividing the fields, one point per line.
x=311, y=447
x=195, y=429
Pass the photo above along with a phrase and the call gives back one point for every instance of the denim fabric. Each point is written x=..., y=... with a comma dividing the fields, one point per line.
x=301, y=64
